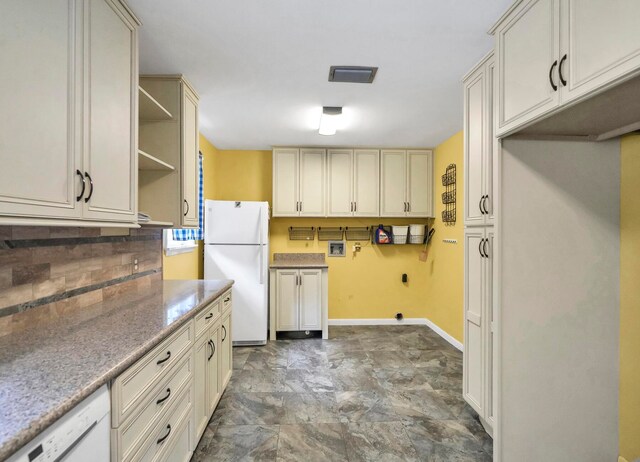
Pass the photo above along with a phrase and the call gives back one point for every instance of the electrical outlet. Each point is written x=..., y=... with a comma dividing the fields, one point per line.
x=357, y=247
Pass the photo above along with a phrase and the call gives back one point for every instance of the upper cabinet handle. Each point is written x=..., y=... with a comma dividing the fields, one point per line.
x=84, y=184
x=480, y=205
x=187, y=204
x=484, y=204
x=553, y=66
x=86, y=199
x=301, y=206
x=562, y=80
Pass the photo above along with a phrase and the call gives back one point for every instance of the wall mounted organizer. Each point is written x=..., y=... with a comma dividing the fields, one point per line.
x=449, y=195
x=358, y=233
x=330, y=234
x=302, y=234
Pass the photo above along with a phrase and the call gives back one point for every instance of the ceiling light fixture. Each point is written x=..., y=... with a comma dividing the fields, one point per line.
x=329, y=120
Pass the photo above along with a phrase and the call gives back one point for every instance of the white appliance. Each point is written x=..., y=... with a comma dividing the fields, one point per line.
x=236, y=238
x=82, y=434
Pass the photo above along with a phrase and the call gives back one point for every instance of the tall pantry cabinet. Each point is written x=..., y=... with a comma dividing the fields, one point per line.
x=480, y=148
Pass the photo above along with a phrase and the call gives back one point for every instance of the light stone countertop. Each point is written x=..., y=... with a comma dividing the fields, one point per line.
x=48, y=368
x=298, y=260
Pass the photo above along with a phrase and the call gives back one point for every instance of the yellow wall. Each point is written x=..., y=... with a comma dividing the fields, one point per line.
x=366, y=284
x=445, y=265
x=630, y=299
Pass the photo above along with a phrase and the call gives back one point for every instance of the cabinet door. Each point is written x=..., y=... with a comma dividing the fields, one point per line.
x=285, y=183
x=190, y=212
x=491, y=142
x=474, y=145
x=312, y=182
x=527, y=45
x=310, y=299
x=213, y=369
x=489, y=328
x=287, y=300
x=366, y=182
x=339, y=187
x=111, y=92
x=393, y=184
x=473, y=361
x=419, y=183
x=601, y=41
x=202, y=350
x=226, y=351
x=40, y=130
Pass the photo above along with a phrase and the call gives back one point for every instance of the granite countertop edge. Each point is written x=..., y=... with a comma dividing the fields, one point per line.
x=297, y=265
x=22, y=437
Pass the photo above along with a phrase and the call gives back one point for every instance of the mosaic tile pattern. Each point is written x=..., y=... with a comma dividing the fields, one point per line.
x=369, y=393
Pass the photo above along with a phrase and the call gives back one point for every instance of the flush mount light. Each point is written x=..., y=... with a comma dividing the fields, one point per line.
x=329, y=120
x=352, y=74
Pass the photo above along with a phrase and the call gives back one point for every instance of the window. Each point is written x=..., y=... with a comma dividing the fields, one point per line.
x=175, y=247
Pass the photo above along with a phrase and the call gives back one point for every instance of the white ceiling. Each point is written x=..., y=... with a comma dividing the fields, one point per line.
x=261, y=66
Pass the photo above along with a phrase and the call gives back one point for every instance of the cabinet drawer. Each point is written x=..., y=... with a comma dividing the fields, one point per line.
x=168, y=431
x=207, y=317
x=133, y=385
x=227, y=299
x=163, y=397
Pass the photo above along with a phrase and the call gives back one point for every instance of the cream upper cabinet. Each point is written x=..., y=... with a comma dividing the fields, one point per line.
x=406, y=185
x=601, y=43
x=340, y=182
x=479, y=143
x=299, y=179
x=366, y=182
x=190, y=157
x=553, y=52
x=353, y=182
x=168, y=150
x=312, y=182
x=527, y=49
x=111, y=89
x=68, y=144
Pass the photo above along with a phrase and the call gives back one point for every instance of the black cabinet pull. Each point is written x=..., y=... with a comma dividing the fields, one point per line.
x=213, y=349
x=562, y=80
x=209, y=316
x=162, y=400
x=355, y=206
x=160, y=361
x=480, y=247
x=484, y=204
x=187, y=204
x=553, y=66
x=86, y=199
x=480, y=205
x=225, y=333
x=227, y=299
x=84, y=184
x=161, y=440
x=484, y=248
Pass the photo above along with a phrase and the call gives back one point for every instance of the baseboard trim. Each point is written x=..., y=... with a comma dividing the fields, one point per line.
x=393, y=322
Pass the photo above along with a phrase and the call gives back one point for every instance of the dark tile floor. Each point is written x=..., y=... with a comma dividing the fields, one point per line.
x=369, y=393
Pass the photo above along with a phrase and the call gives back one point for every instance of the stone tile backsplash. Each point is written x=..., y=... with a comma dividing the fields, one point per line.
x=48, y=265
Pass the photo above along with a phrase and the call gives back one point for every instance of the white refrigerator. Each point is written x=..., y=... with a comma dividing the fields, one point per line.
x=236, y=246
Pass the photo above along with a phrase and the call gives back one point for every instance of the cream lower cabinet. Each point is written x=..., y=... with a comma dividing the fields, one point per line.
x=406, y=183
x=69, y=140
x=161, y=404
x=299, y=181
x=478, y=359
x=298, y=300
x=353, y=182
x=552, y=52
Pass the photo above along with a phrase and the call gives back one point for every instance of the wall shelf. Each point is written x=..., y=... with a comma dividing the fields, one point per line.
x=150, y=109
x=149, y=162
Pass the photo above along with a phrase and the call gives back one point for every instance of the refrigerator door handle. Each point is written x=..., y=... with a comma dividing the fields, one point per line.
x=261, y=249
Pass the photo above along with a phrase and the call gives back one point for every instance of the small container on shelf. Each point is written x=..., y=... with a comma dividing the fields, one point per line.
x=400, y=234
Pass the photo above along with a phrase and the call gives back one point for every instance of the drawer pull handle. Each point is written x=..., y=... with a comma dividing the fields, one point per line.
x=225, y=333
x=227, y=299
x=161, y=440
x=162, y=400
x=160, y=361
x=209, y=316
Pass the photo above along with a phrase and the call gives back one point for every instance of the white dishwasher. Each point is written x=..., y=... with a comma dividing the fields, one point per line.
x=81, y=435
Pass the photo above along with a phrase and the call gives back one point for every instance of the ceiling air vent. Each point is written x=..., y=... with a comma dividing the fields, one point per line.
x=352, y=74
